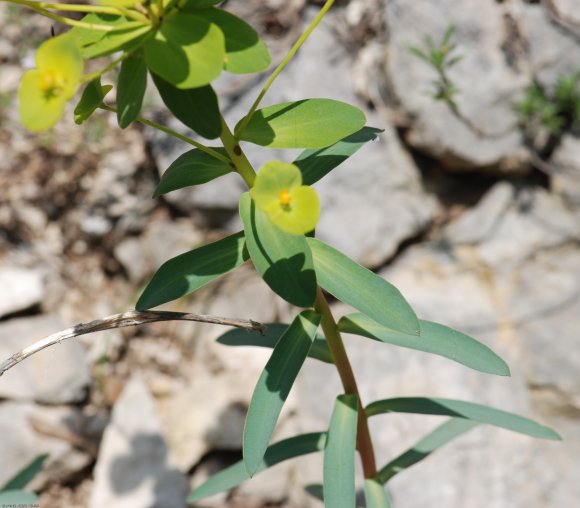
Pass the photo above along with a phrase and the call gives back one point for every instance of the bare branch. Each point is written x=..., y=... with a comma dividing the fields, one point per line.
x=129, y=318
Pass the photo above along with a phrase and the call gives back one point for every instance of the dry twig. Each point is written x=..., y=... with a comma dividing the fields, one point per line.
x=129, y=318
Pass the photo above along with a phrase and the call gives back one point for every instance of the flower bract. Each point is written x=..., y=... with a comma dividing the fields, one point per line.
x=44, y=91
x=278, y=191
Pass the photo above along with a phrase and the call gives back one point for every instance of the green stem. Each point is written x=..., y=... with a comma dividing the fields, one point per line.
x=237, y=155
x=181, y=137
x=282, y=65
x=336, y=346
x=107, y=68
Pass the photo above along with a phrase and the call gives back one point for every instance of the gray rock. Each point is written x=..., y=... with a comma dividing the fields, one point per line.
x=22, y=288
x=487, y=102
x=133, y=469
x=27, y=431
x=566, y=177
x=56, y=375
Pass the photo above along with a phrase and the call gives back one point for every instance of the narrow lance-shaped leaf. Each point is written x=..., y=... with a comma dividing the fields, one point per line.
x=316, y=163
x=274, y=386
x=192, y=168
x=283, y=260
x=131, y=89
x=197, y=108
x=311, y=123
x=188, y=272
x=17, y=498
x=375, y=495
x=238, y=337
x=339, y=454
x=361, y=288
x=236, y=474
x=26, y=474
x=435, y=338
x=462, y=409
x=446, y=432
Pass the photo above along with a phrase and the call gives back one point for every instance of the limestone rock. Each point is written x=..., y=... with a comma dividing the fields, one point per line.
x=57, y=375
x=133, y=469
x=22, y=288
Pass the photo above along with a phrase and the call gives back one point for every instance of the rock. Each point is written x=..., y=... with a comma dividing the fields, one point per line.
x=487, y=102
x=22, y=288
x=57, y=375
x=566, y=177
x=30, y=430
x=162, y=240
x=133, y=469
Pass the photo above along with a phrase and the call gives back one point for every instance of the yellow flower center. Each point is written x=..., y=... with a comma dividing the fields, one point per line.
x=51, y=82
x=285, y=198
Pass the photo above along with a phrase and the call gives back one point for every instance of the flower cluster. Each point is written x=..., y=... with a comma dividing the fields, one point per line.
x=45, y=90
x=278, y=191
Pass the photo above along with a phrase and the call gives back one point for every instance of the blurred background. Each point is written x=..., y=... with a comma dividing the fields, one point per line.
x=472, y=209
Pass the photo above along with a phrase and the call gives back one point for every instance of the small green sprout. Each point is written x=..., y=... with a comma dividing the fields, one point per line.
x=44, y=91
x=291, y=206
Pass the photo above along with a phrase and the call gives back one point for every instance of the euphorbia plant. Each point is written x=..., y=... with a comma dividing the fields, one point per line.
x=184, y=45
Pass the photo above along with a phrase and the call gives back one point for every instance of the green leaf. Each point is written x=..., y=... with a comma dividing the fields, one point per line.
x=197, y=108
x=91, y=99
x=375, y=495
x=435, y=338
x=238, y=337
x=316, y=490
x=283, y=260
x=192, y=5
x=26, y=474
x=245, y=51
x=86, y=37
x=462, y=409
x=339, y=490
x=126, y=40
x=131, y=89
x=446, y=432
x=188, y=272
x=310, y=123
x=236, y=474
x=274, y=386
x=317, y=163
x=362, y=289
x=188, y=51
x=17, y=498
x=192, y=168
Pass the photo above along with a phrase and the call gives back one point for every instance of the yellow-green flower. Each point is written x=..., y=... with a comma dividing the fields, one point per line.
x=278, y=191
x=44, y=91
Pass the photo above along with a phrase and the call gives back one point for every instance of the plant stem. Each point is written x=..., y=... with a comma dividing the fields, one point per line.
x=336, y=346
x=240, y=161
x=283, y=64
x=171, y=132
x=107, y=68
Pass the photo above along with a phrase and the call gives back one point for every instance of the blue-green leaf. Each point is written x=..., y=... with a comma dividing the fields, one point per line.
x=15, y=498
x=283, y=260
x=462, y=409
x=192, y=168
x=274, y=386
x=316, y=163
x=361, y=288
x=26, y=474
x=188, y=272
x=435, y=338
x=339, y=489
x=239, y=337
x=236, y=474
x=446, y=432
x=375, y=495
